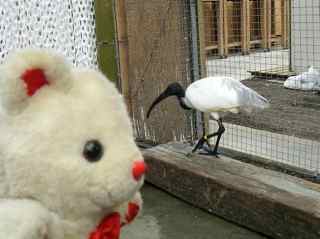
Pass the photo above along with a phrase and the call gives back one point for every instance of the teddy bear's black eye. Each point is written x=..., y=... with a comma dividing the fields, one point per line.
x=93, y=150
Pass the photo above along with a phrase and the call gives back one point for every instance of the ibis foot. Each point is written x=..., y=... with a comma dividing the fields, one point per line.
x=209, y=151
x=203, y=144
x=190, y=154
x=212, y=153
x=206, y=152
x=199, y=145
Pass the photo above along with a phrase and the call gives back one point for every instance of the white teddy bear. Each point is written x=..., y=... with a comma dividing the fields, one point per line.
x=69, y=166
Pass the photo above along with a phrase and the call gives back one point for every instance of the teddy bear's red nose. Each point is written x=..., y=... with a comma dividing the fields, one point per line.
x=139, y=168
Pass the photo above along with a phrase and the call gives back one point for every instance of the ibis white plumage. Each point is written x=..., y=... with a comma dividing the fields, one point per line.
x=216, y=95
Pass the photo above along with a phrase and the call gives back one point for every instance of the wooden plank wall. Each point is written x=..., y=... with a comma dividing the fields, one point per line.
x=245, y=24
x=210, y=14
x=159, y=54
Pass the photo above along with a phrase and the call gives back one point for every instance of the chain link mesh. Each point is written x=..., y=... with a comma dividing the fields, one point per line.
x=66, y=26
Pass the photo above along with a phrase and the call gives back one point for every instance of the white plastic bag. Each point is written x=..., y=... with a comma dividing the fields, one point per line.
x=309, y=80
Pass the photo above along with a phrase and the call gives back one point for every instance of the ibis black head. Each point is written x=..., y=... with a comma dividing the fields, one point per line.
x=174, y=89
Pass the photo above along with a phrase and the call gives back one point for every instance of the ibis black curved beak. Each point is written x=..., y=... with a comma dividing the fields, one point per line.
x=174, y=89
x=160, y=98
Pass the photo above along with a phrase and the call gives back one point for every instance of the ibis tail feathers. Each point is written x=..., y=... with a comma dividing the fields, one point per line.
x=262, y=102
x=256, y=102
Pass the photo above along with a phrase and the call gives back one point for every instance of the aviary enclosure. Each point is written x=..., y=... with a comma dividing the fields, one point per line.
x=260, y=42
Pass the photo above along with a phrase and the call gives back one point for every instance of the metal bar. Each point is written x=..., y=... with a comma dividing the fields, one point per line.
x=203, y=125
x=194, y=41
x=221, y=28
x=195, y=55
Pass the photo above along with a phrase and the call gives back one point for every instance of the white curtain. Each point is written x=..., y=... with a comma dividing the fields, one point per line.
x=67, y=26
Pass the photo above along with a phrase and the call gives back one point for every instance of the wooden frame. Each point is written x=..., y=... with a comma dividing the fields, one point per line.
x=245, y=26
x=122, y=39
x=266, y=24
x=284, y=22
x=272, y=20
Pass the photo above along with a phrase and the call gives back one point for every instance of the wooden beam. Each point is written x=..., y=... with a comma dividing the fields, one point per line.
x=202, y=45
x=269, y=20
x=264, y=25
x=255, y=42
x=122, y=34
x=206, y=21
x=278, y=17
x=235, y=43
x=284, y=22
x=221, y=28
x=248, y=33
x=212, y=47
x=266, y=19
x=270, y=202
x=225, y=28
x=245, y=26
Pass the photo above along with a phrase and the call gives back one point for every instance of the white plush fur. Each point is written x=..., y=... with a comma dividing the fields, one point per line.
x=41, y=146
x=56, y=69
x=27, y=219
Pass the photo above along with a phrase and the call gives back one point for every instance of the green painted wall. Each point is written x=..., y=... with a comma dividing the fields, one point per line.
x=105, y=34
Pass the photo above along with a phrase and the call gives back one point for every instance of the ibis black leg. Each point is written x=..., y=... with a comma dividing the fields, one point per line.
x=205, y=139
x=220, y=131
x=200, y=143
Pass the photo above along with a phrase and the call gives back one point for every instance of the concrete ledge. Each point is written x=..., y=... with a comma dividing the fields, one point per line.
x=273, y=203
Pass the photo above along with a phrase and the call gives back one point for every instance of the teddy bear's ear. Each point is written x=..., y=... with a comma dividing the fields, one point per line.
x=26, y=72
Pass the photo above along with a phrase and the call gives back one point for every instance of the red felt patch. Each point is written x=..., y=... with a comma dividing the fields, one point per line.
x=133, y=210
x=139, y=168
x=109, y=228
x=34, y=79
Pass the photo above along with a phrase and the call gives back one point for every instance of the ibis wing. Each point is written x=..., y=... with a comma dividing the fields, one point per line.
x=223, y=94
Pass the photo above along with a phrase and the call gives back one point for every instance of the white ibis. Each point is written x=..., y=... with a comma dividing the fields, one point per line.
x=215, y=95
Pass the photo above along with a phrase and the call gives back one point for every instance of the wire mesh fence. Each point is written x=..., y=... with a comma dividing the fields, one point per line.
x=159, y=36
x=65, y=26
x=260, y=42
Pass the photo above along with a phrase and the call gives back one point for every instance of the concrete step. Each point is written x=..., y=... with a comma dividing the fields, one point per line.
x=266, y=201
x=166, y=217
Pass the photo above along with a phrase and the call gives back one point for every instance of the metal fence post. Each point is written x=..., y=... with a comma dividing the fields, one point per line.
x=195, y=64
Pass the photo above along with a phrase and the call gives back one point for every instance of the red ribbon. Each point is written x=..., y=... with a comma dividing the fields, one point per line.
x=109, y=228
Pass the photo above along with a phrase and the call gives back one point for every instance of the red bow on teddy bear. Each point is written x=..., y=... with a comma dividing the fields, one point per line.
x=109, y=227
